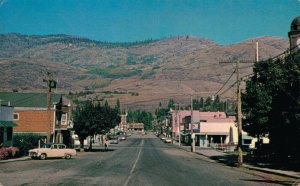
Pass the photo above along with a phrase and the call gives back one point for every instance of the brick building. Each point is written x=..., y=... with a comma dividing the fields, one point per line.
x=32, y=116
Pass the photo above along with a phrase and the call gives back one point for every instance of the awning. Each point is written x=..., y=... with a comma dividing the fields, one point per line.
x=246, y=137
x=7, y=124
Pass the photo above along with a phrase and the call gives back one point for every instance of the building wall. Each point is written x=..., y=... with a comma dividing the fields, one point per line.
x=6, y=114
x=33, y=121
x=177, y=117
x=220, y=127
x=136, y=126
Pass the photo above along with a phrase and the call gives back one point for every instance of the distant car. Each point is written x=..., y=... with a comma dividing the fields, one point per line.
x=163, y=138
x=168, y=140
x=55, y=150
x=122, y=138
x=113, y=140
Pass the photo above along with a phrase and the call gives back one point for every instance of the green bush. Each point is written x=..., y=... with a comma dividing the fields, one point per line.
x=26, y=141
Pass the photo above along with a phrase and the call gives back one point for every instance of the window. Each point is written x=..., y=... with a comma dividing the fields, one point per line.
x=64, y=119
x=61, y=147
x=16, y=116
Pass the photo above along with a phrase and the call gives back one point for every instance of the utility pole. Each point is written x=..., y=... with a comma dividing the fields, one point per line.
x=239, y=115
x=256, y=52
x=177, y=107
x=239, y=111
x=49, y=105
x=179, y=129
x=50, y=84
x=239, y=105
x=192, y=132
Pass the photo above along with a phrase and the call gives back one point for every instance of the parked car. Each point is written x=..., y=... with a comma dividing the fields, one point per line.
x=168, y=140
x=122, y=137
x=112, y=139
x=52, y=150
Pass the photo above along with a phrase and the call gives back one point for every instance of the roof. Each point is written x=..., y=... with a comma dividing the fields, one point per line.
x=295, y=25
x=35, y=100
x=7, y=124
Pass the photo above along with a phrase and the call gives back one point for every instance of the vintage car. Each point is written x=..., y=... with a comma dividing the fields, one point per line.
x=52, y=150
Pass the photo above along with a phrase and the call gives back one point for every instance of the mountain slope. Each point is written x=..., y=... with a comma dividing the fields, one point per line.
x=155, y=70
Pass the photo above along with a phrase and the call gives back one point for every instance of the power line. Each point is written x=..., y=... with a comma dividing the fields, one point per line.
x=225, y=82
x=229, y=88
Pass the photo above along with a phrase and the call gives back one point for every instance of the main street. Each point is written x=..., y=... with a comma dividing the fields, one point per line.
x=140, y=160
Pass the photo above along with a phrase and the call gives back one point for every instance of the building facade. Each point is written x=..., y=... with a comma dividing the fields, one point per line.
x=32, y=116
x=6, y=125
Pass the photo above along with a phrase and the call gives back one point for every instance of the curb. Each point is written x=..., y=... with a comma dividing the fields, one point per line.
x=16, y=159
x=271, y=171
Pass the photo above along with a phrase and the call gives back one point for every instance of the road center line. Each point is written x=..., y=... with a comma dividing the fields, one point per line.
x=134, y=165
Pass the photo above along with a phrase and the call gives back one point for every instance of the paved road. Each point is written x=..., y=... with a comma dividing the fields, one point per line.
x=140, y=160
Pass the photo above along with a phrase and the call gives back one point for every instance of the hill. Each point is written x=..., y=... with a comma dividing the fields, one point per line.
x=140, y=74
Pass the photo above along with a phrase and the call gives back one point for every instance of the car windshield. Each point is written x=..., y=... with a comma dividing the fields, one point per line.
x=46, y=145
x=112, y=137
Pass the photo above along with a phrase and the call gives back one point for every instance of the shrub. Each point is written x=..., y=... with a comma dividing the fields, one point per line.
x=26, y=141
x=9, y=152
x=3, y=153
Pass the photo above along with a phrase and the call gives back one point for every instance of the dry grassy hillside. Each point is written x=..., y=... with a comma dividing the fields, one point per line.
x=142, y=74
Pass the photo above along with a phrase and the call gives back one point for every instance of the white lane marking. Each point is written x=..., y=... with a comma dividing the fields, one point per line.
x=134, y=165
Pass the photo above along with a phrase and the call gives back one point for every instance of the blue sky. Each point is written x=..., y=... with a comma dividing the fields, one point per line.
x=223, y=21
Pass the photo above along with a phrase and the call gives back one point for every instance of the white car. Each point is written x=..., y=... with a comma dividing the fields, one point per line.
x=50, y=150
x=168, y=140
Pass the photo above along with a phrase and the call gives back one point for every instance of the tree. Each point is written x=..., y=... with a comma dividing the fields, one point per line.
x=141, y=117
x=92, y=119
x=207, y=104
x=118, y=106
x=83, y=121
x=271, y=105
x=201, y=103
x=216, y=104
x=171, y=104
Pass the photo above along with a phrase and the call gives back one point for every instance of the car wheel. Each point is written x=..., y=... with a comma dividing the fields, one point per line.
x=43, y=156
x=68, y=156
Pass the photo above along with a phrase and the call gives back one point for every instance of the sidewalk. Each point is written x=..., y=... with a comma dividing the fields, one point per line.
x=226, y=158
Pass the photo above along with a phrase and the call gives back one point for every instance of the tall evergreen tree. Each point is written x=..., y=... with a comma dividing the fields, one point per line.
x=118, y=106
